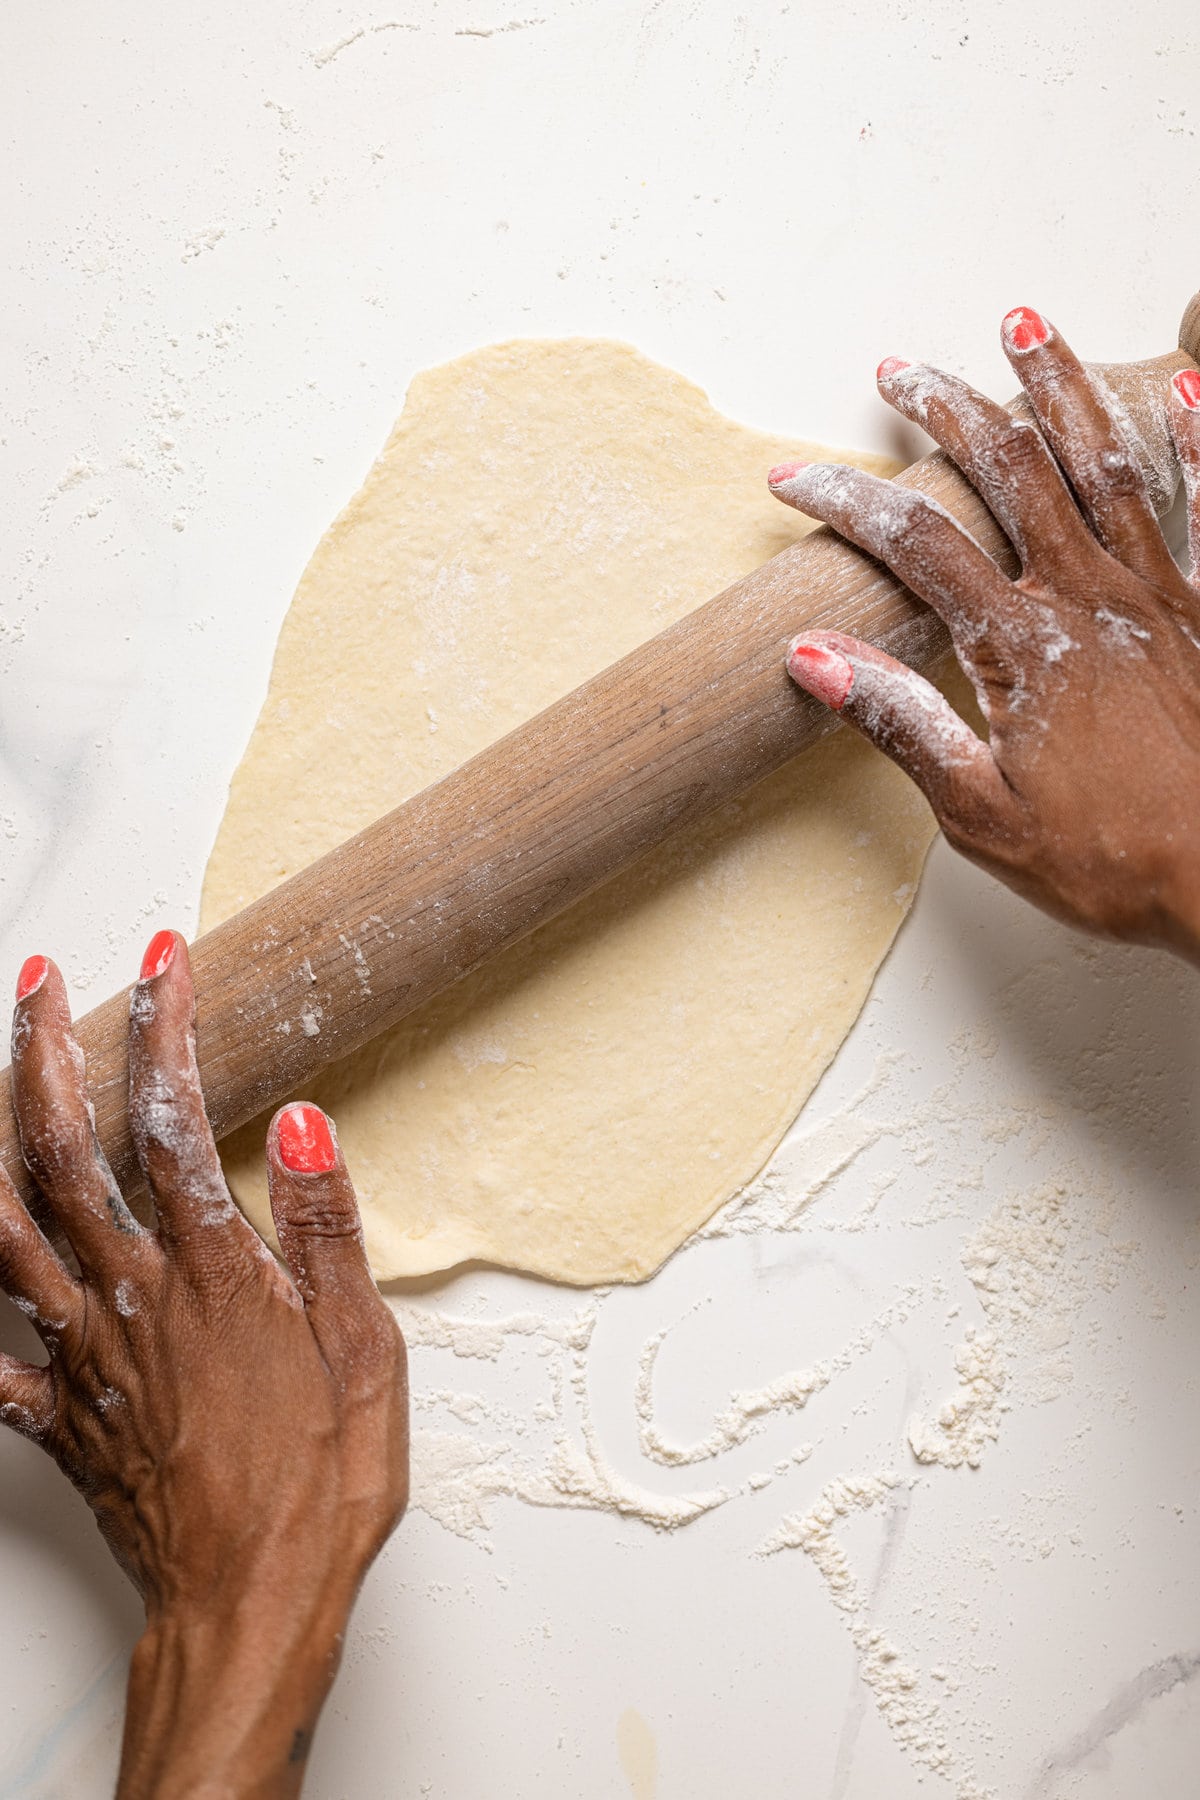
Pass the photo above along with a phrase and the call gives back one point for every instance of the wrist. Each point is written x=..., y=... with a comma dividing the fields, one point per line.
x=224, y=1696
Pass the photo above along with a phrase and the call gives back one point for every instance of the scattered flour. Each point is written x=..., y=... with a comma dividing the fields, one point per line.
x=123, y=1299
x=322, y=58
x=913, y=1718
x=1030, y=1279
x=746, y=1413
x=487, y=31
x=970, y=1418
x=200, y=241
x=454, y=1477
x=1029, y=1267
x=75, y=474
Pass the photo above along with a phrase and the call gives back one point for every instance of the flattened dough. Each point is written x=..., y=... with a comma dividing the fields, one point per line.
x=583, y=1103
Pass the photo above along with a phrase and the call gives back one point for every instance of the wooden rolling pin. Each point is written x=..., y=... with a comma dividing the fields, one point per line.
x=350, y=945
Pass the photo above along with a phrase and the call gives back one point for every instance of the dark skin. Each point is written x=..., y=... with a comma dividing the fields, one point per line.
x=240, y=1433
x=1086, y=799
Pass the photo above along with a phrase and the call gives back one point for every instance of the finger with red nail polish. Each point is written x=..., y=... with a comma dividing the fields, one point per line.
x=56, y=1124
x=1004, y=458
x=904, y=716
x=316, y=1219
x=51, y=1110
x=167, y=1116
x=1087, y=432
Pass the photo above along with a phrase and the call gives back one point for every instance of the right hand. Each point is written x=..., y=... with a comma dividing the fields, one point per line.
x=1086, y=797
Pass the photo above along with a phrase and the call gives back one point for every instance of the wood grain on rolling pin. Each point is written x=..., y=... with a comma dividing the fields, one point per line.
x=351, y=944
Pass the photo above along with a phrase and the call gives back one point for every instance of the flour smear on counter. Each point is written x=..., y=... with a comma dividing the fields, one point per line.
x=1031, y=1262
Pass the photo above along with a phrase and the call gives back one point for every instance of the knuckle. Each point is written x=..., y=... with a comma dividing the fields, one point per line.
x=909, y=521
x=143, y=1005
x=158, y=1113
x=57, y=1145
x=1013, y=447
x=322, y=1217
x=1120, y=470
x=171, y=1129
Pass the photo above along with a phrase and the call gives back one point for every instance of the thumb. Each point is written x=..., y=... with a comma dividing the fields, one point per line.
x=320, y=1232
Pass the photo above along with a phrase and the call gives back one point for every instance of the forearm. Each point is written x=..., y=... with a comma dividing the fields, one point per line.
x=222, y=1704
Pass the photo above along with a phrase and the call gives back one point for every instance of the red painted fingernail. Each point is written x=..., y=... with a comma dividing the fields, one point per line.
x=306, y=1145
x=784, y=472
x=1187, y=386
x=33, y=973
x=159, y=952
x=821, y=672
x=1024, y=329
x=891, y=365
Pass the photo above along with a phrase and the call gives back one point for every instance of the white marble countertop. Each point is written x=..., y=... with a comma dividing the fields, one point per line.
x=233, y=237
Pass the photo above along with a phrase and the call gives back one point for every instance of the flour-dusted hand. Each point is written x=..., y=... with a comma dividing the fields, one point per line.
x=1086, y=798
x=241, y=1437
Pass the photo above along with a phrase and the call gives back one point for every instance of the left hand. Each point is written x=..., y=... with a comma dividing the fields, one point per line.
x=241, y=1437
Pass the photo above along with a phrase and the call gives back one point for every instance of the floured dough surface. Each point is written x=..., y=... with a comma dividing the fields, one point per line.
x=580, y=1105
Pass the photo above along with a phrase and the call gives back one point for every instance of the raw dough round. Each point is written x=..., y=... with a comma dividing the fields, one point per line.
x=581, y=1104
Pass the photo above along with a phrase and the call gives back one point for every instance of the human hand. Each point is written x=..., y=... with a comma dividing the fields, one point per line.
x=241, y=1438
x=1086, y=799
